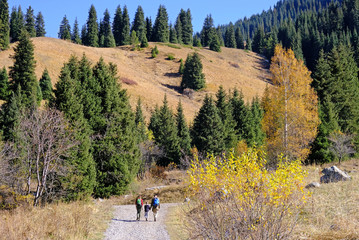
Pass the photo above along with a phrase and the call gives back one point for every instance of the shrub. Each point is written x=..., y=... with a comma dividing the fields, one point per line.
x=154, y=52
x=170, y=56
x=238, y=198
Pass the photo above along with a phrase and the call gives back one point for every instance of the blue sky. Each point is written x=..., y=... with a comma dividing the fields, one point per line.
x=223, y=11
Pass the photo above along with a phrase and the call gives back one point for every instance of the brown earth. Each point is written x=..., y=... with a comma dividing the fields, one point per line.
x=152, y=78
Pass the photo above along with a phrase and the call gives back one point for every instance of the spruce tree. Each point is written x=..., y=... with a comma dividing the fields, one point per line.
x=75, y=36
x=148, y=29
x=140, y=122
x=220, y=35
x=83, y=34
x=214, y=43
x=186, y=24
x=193, y=77
x=205, y=33
x=4, y=85
x=92, y=28
x=125, y=28
x=39, y=97
x=17, y=23
x=65, y=29
x=106, y=37
x=173, y=35
x=239, y=39
x=139, y=24
x=240, y=113
x=183, y=132
x=164, y=129
x=30, y=22
x=197, y=41
x=4, y=25
x=258, y=41
x=46, y=86
x=40, y=25
x=117, y=25
x=178, y=28
x=181, y=67
x=225, y=113
x=257, y=136
x=229, y=37
x=207, y=130
x=160, y=28
x=22, y=73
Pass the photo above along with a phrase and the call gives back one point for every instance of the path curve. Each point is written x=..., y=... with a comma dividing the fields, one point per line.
x=124, y=225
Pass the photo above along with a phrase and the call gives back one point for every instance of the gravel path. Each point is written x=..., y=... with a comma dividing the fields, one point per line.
x=125, y=226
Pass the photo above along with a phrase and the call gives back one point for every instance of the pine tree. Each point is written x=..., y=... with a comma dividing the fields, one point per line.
x=164, y=129
x=140, y=122
x=239, y=39
x=65, y=29
x=214, y=43
x=187, y=28
x=225, y=113
x=82, y=178
x=160, y=28
x=207, y=130
x=75, y=36
x=125, y=28
x=148, y=29
x=40, y=25
x=183, y=132
x=16, y=23
x=30, y=22
x=173, y=35
x=92, y=28
x=193, y=77
x=117, y=25
x=105, y=35
x=4, y=85
x=22, y=73
x=46, y=86
x=139, y=24
x=4, y=25
x=207, y=26
x=229, y=37
x=240, y=113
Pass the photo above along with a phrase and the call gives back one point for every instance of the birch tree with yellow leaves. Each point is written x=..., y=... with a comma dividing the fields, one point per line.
x=291, y=107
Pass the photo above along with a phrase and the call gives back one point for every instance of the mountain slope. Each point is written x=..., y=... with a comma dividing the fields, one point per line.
x=152, y=78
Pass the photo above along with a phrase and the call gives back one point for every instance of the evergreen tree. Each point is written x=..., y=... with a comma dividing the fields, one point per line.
x=148, y=29
x=193, y=77
x=92, y=28
x=229, y=37
x=214, y=43
x=181, y=67
x=46, y=86
x=82, y=178
x=117, y=25
x=105, y=35
x=4, y=25
x=164, y=128
x=220, y=35
x=22, y=73
x=183, y=131
x=258, y=41
x=140, y=122
x=207, y=130
x=249, y=44
x=30, y=22
x=17, y=23
x=173, y=35
x=160, y=28
x=205, y=33
x=134, y=41
x=65, y=29
x=239, y=39
x=139, y=24
x=39, y=94
x=83, y=34
x=40, y=25
x=178, y=28
x=4, y=85
x=255, y=134
x=125, y=28
x=225, y=113
x=240, y=113
x=186, y=25
x=197, y=41
x=75, y=36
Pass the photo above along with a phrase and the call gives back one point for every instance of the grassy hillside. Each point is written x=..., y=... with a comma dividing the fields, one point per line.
x=151, y=78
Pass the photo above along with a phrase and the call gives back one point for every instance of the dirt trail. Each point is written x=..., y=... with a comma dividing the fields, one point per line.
x=124, y=225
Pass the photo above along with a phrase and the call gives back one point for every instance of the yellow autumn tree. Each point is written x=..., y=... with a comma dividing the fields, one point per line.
x=291, y=107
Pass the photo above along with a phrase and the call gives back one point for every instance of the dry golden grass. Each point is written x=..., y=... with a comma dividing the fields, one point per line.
x=77, y=220
x=175, y=223
x=332, y=210
x=156, y=77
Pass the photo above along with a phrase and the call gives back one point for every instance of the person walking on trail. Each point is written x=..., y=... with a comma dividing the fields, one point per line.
x=139, y=204
x=147, y=208
x=155, y=205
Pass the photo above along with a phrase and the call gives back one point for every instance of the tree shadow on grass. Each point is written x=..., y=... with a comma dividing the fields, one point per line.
x=172, y=75
x=173, y=87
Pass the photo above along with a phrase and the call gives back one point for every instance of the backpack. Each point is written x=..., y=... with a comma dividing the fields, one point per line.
x=139, y=202
x=156, y=201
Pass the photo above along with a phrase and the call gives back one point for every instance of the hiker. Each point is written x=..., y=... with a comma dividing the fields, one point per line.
x=147, y=208
x=138, y=203
x=155, y=205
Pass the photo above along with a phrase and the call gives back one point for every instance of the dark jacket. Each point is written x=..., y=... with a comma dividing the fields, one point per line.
x=147, y=208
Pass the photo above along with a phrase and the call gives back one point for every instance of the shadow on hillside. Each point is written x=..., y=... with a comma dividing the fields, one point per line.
x=173, y=87
x=123, y=220
x=172, y=75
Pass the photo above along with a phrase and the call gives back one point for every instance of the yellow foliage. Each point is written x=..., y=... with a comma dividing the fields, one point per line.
x=291, y=107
